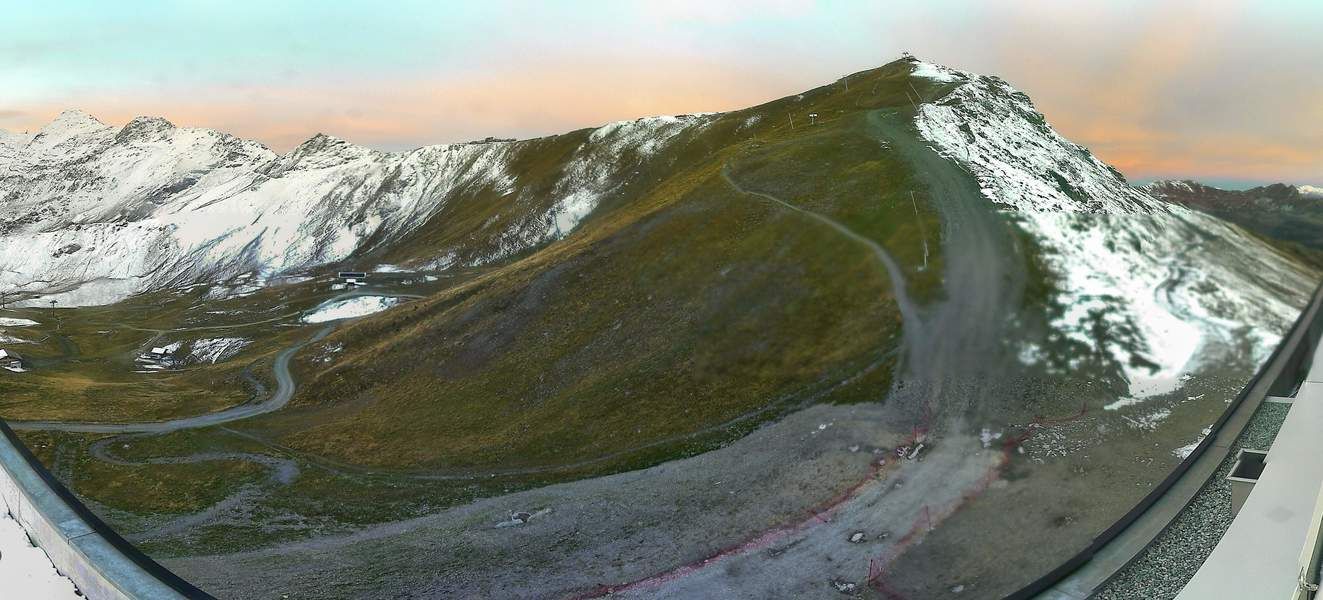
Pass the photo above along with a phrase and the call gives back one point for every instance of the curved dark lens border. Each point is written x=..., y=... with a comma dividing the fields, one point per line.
x=125, y=547
x=1305, y=345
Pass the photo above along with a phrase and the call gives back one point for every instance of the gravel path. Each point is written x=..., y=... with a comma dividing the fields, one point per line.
x=799, y=508
x=909, y=312
x=1171, y=560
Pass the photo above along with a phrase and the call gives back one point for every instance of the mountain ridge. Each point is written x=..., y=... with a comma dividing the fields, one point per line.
x=1292, y=213
x=1277, y=191
x=190, y=162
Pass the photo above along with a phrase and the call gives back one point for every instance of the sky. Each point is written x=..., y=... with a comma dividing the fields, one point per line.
x=1224, y=91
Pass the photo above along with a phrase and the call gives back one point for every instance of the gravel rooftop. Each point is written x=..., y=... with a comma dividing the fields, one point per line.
x=1171, y=560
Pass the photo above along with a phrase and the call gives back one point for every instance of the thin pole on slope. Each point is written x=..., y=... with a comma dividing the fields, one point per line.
x=922, y=232
x=792, y=120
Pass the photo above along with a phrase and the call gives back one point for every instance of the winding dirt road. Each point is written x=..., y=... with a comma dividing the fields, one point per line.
x=770, y=515
x=284, y=392
x=786, y=499
x=285, y=388
x=959, y=346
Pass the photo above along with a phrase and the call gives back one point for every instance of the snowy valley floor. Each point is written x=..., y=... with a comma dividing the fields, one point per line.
x=25, y=570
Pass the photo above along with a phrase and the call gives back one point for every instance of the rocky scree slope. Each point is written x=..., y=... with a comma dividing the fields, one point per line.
x=1153, y=288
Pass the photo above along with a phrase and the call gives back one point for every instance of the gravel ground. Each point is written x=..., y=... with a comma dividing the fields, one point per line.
x=1165, y=566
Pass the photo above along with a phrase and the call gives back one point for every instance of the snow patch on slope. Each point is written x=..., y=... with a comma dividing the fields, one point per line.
x=214, y=350
x=602, y=165
x=589, y=178
x=1021, y=162
x=1164, y=283
x=936, y=72
x=16, y=322
x=350, y=308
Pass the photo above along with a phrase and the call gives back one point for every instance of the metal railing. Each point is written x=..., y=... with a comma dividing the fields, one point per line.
x=1287, y=366
x=99, y=562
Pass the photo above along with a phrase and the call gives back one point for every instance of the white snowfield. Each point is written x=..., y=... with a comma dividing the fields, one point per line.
x=350, y=308
x=91, y=213
x=934, y=72
x=214, y=350
x=16, y=322
x=25, y=570
x=1177, y=283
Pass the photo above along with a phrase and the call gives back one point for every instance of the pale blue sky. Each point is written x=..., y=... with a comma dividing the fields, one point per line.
x=1226, y=89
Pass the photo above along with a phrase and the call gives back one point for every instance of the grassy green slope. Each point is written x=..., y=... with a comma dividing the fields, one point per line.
x=681, y=309
x=679, y=315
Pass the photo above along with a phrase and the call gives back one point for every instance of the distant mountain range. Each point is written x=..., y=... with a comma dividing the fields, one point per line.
x=93, y=213
x=1293, y=213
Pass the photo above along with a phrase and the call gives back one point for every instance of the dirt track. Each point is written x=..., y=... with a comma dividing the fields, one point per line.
x=285, y=388
x=771, y=514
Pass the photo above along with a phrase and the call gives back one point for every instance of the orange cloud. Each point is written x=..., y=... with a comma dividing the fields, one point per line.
x=398, y=113
x=1166, y=91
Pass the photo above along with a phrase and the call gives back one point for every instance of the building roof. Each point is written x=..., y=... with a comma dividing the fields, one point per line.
x=1258, y=557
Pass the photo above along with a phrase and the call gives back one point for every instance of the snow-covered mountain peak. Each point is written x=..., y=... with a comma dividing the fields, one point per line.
x=72, y=123
x=1162, y=186
x=995, y=131
x=1172, y=285
x=76, y=126
x=145, y=128
x=1282, y=192
x=152, y=205
x=68, y=124
x=321, y=151
x=73, y=120
x=936, y=72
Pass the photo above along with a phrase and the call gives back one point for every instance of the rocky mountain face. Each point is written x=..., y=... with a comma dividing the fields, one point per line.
x=1292, y=213
x=1151, y=285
